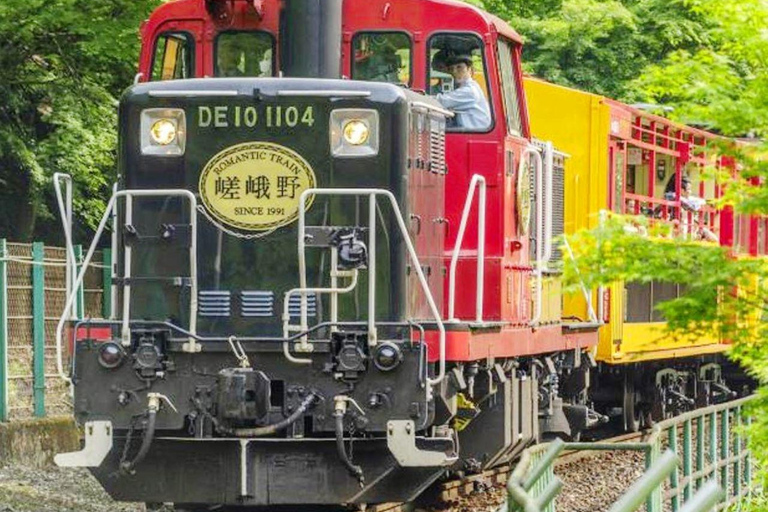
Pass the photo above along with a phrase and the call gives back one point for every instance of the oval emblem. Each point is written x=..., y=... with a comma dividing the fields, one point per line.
x=255, y=186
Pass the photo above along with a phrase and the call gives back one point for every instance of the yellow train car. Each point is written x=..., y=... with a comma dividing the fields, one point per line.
x=626, y=160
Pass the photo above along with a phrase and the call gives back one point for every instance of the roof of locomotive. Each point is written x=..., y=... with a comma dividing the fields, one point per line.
x=270, y=86
x=191, y=8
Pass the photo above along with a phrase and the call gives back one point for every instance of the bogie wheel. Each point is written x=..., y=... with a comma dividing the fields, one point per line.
x=630, y=404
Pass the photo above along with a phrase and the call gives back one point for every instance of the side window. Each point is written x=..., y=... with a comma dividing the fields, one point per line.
x=458, y=80
x=382, y=57
x=509, y=87
x=244, y=54
x=173, y=56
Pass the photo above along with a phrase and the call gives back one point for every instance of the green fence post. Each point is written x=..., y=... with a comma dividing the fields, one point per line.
x=748, y=460
x=106, y=283
x=713, y=445
x=653, y=500
x=699, y=448
x=673, y=477
x=687, y=460
x=3, y=331
x=38, y=327
x=80, y=302
x=737, y=420
x=725, y=441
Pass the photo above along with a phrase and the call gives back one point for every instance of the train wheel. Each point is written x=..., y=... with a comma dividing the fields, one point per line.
x=630, y=405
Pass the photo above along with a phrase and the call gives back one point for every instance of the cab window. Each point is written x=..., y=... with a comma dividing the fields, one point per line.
x=382, y=57
x=509, y=87
x=173, y=58
x=244, y=54
x=458, y=80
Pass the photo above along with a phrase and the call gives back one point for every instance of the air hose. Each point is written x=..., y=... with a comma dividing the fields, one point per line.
x=275, y=427
x=146, y=442
x=354, y=470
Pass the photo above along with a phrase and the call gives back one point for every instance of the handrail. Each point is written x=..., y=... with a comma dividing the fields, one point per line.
x=129, y=194
x=538, y=272
x=115, y=258
x=481, y=207
x=334, y=290
x=65, y=211
x=372, y=193
x=532, y=481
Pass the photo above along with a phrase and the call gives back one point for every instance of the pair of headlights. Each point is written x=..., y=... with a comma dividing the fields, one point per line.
x=354, y=132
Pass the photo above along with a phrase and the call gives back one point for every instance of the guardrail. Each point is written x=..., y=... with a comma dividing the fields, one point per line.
x=33, y=286
x=705, y=463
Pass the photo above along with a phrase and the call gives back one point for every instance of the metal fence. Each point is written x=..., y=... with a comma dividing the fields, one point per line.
x=33, y=288
x=695, y=462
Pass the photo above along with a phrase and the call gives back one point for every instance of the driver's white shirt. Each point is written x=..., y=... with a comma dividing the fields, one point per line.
x=469, y=104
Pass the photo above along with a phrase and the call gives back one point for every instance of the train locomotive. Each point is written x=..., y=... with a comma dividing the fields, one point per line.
x=327, y=288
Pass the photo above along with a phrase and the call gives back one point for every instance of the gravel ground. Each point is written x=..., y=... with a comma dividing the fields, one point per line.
x=23, y=489
x=606, y=476
x=594, y=483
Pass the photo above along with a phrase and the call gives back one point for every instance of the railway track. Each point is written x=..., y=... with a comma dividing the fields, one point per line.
x=456, y=489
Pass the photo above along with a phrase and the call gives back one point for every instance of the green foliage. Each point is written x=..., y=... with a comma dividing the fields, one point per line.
x=707, y=59
x=62, y=66
x=625, y=248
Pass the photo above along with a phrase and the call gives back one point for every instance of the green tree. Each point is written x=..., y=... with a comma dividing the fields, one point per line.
x=62, y=66
x=706, y=59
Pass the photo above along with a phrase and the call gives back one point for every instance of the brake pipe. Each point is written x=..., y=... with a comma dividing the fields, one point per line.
x=275, y=427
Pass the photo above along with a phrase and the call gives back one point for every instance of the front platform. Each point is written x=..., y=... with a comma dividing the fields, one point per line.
x=262, y=472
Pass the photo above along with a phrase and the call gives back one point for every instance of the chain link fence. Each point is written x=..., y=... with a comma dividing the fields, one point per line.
x=33, y=286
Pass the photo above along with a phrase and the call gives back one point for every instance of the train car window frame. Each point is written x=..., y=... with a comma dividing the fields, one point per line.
x=272, y=40
x=510, y=90
x=484, y=55
x=189, y=40
x=384, y=32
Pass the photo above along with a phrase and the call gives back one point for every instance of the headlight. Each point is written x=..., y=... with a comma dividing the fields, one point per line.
x=354, y=132
x=387, y=356
x=111, y=355
x=163, y=131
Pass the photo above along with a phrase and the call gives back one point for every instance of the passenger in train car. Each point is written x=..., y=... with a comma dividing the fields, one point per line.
x=467, y=99
x=382, y=58
x=243, y=54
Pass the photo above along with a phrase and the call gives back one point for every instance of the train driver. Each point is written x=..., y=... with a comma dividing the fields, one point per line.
x=466, y=100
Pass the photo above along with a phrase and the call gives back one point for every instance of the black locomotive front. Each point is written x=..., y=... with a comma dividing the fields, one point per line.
x=232, y=375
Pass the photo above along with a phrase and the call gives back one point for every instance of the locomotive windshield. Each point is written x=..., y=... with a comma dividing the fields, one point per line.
x=244, y=53
x=381, y=57
x=173, y=57
x=457, y=78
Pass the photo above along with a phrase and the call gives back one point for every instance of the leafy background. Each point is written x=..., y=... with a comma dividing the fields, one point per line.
x=64, y=63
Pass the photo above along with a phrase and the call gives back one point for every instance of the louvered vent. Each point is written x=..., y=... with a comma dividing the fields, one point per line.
x=420, y=134
x=437, y=146
x=294, y=306
x=558, y=204
x=257, y=303
x=532, y=230
x=214, y=303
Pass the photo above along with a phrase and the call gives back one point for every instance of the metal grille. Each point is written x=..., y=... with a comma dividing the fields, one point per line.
x=294, y=306
x=437, y=146
x=558, y=205
x=257, y=303
x=214, y=303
